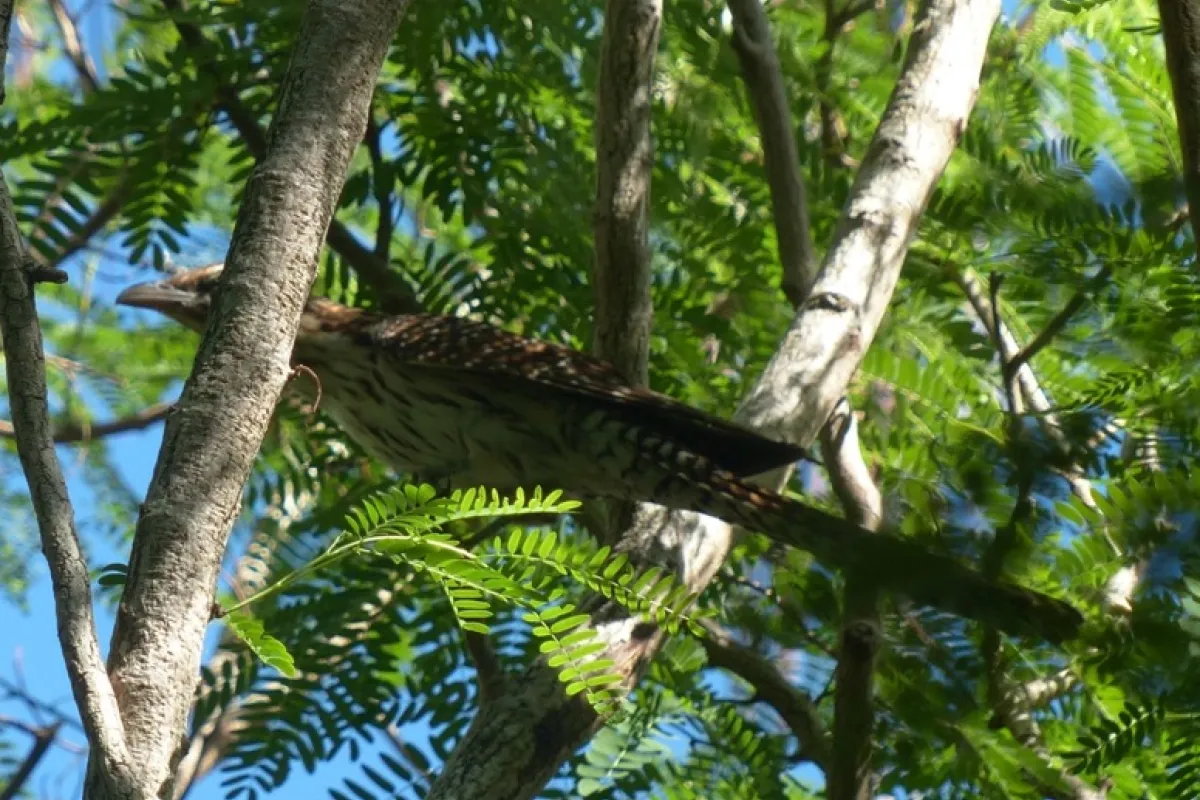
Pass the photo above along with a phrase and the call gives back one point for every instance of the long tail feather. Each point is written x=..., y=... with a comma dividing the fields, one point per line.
x=892, y=563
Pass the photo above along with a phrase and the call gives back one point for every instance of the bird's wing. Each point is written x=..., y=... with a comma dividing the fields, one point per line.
x=469, y=346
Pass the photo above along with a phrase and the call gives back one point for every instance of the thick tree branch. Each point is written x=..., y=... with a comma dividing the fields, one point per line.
x=1181, y=35
x=210, y=442
x=73, y=432
x=621, y=276
x=516, y=744
x=771, y=687
x=394, y=294
x=621, y=271
x=764, y=83
x=25, y=364
x=624, y=158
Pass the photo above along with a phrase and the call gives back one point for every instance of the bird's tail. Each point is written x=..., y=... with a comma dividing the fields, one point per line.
x=889, y=562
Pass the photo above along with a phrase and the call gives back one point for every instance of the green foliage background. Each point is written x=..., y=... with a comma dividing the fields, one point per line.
x=480, y=164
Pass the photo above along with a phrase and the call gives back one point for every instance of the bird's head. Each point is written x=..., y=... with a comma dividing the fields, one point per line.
x=187, y=298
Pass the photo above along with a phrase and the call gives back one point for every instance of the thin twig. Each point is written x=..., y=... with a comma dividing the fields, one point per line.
x=73, y=46
x=73, y=432
x=43, y=738
x=383, y=189
x=14, y=692
x=1056, y=324
x=796, y=709
x=101, y=215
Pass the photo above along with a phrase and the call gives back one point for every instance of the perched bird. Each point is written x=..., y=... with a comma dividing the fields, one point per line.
x=452, y=398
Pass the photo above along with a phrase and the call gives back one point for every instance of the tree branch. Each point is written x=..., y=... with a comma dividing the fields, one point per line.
x=1004, y=699
x=1181, y=36
x=73, y=432
x=771, y=687
x=624, y=161
x=1059, y=321
x=73, y=46
x=382, y=187
x=850, y=776
x=6, y=18
x=517, y=743
x=211, y=441
x=393, y=292
x=101, y=215
x=764, y=83
x=43, y=737
x=624, y=313
x=24, y=360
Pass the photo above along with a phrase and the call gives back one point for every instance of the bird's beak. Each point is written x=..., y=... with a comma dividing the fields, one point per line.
x=157, y=296
x=186, y=306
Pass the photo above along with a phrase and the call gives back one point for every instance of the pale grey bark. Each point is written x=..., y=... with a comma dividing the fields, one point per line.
x=921, y=127
x=516, y=744
x=25, y=364
x=211, y=439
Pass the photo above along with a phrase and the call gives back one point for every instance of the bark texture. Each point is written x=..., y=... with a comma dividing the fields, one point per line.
x=1181, y=35
x=624, y=158
x=213, y=435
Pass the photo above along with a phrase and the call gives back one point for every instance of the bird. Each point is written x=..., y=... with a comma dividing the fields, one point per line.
x=461, y=401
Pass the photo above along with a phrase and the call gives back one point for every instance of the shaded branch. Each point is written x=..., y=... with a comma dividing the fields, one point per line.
x=624, y=160
x=489, y=672
x=771, y=687
x=764, y=83
x=24, y=360
x=1059, y=321
x=1181, y=37
x=382, y=187
x=1031, y=391
x=73, y=432
x=850, y=776
x=6, y=18
x=42, y=739
x=1008, y=702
